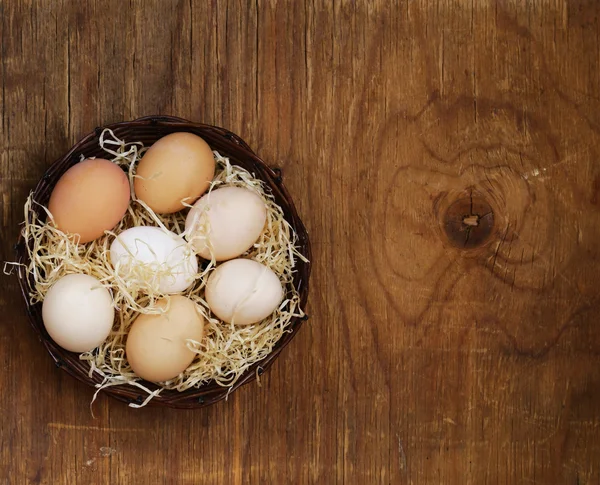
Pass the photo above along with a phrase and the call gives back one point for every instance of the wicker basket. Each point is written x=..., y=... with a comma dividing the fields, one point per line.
x=148, y=130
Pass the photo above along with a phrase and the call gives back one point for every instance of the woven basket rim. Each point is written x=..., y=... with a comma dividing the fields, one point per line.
x=228, y=144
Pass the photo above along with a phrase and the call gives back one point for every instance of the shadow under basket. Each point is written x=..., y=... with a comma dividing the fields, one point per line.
x=148, y=130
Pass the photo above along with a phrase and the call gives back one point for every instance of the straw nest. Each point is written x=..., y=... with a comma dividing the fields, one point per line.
x=227, y=351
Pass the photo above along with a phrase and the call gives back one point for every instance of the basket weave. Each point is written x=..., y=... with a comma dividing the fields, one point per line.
x=148, y=130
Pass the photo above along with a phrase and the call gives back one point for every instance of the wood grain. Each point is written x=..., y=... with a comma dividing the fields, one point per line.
x=424, y=362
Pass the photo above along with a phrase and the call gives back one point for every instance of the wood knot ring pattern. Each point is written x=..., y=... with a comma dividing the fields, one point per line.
x=469, y=221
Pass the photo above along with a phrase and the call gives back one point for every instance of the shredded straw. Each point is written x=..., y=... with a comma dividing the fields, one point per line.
x=226, y=351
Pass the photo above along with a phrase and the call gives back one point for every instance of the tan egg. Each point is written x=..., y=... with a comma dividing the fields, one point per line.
x=90, y=198
x=156, y=345
x=243, y=291
x=230, y=219
x=178, y=167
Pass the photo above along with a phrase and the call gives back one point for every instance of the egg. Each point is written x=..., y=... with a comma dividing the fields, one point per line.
x=156, y=346
x=78, y=312
x=228, y=219
x=178, y=167
x=90, y=198
x=146, y=251
x=243, y=291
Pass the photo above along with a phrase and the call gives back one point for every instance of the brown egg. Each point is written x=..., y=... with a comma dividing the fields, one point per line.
x=90, y=198
x=178, y=167
x=156, y=345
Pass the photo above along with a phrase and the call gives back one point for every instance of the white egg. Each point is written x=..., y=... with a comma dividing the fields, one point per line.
x=242, y=292
x=162, y=258
x=229, y=220
x=78, y=312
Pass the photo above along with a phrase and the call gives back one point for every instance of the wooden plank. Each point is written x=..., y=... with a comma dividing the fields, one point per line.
x=431, y=357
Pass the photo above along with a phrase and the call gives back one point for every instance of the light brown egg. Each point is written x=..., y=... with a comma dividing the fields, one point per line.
x=178, y=167
x=90, y=198
x=156, y=345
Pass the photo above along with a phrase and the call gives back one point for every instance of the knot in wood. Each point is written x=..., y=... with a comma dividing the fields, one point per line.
x=469, y=221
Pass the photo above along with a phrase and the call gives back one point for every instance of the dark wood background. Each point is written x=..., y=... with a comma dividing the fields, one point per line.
x=424, y=362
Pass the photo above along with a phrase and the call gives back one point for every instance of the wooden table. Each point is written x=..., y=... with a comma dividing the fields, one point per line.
x=445, y=156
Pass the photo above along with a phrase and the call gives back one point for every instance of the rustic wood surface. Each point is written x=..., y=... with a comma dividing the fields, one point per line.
x=441, y=350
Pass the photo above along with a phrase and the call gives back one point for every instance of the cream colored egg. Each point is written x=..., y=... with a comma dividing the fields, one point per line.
x=243, y=291
x=156, y=346
x=229, y=220
x=78, y=312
